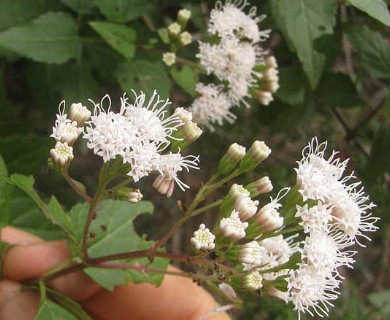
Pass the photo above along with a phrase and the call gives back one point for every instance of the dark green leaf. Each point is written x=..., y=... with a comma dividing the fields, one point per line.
x=53, y=211
x=292, y=86
x=107, y=278
x=379, y=160
x=5, y=195
x=186, y=79
x=51, y=38
x=337, y=90
x=79, y=6
x=301, y=22
x=18, y=12
x=119, y=37
x=143, y=76
x=375, y=8
x=51, y=311
x=25, y=154
x=122, y=10
x=373, y=50
x=163, y=33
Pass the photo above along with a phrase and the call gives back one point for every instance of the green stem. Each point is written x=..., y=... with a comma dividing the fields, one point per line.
x=75, y=187
x=90, y=217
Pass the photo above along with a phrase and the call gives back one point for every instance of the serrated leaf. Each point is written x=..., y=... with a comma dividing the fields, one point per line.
x=143, y=76
x=292, y=86
x=185, y=78
x=375, y=8
x=17, y=12
x=51, y=38
x=122, y=10
x=301, y=22
x=373, y=50
x=53, y=211
x=25, y=154
x=119, y=37
x=51, y=311
x=337, y=90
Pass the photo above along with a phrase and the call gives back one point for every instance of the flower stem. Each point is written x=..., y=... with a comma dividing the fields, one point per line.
x=74, y=186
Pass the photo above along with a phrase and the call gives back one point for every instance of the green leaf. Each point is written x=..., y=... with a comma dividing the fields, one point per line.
x=51, y=311
x=51, y=38
x=107, y=278
x=375, y=8
x=373, y=50
x=337, y=90
x=143, y=76
x=301, y=22
x=292, y=86
x=122, y=10
x=379, y=159
x=186, y=79
x=79, y=6
x=164, y=36
x=381, y=300
x=113, y=227
x=17, y=12
x=119, y=37
x=25, y=154
x=53, y=211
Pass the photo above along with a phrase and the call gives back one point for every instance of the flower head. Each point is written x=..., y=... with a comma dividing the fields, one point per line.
x=203, y=239
x=232, y=227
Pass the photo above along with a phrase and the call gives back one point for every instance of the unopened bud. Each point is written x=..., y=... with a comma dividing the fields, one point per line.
x=164, y=185
x=261, y=186
x=228, y=291
x=269, y=218
x=62, y=154
x=256, y=154
x=271, y=86
x=264, y=97
x=79, y=113
x=271, y=75
x=169, y=58
x=185, y=38
x=232, y=227
x=271, y=62
x=253, y=281
x=129, y=194
x=203, y=239
x=234, y=155
x=272, y=291
x=174, y=28
x=246, y=207
x=235, y=193
x=183, y=16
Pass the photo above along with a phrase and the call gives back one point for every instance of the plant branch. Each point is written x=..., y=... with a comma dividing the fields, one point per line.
x=73, y=185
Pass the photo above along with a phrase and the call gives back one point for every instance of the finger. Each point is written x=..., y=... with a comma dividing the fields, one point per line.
x=176, y=298
x=16, y=236
x=16, y=304
x=28, y=262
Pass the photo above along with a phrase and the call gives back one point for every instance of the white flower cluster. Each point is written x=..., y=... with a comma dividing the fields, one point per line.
x=336, y=216
x=233, y=60
x=139, y=133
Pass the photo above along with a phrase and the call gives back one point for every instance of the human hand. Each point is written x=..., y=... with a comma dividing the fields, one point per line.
x=30, y=257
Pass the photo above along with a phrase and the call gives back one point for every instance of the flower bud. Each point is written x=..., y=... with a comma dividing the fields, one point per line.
x=183, y=16
x=236, y=192
x=272, y=291
x=228, y=291
x=169, y=58
x=187, y=133
x=269, y=218
x=234, y=154
x=252, y=253
x=271, y=62
x=174, y=28
x=203, y=239
x=79, y=113
x=246, y=207
x=256, y=154
x=164, y=185
x=253, y=281
x=185, y=38
x=264, y=97
x=62, y=154
x=232, y=227
x=129, y=194
x=261, y=186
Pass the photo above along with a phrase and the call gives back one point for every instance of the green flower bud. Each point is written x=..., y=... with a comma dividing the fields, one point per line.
x=234, y=154
x=256, y=154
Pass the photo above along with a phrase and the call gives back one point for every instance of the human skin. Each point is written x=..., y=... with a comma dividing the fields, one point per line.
x=30, y=257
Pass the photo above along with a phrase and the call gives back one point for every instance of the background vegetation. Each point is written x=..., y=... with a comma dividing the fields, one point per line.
x=334, y=60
